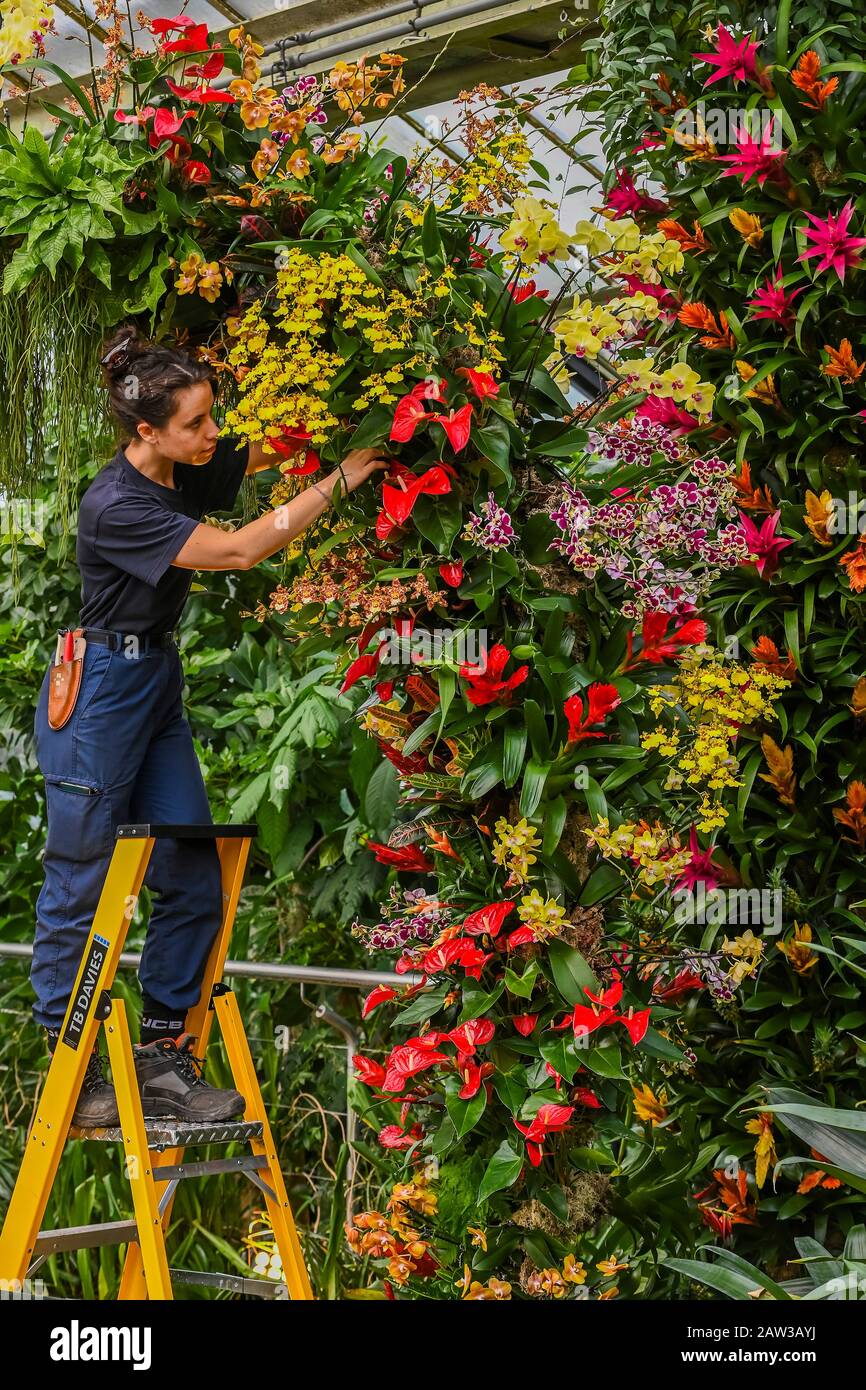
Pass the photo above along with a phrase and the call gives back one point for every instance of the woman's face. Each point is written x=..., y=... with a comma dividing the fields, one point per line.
x=190, y=435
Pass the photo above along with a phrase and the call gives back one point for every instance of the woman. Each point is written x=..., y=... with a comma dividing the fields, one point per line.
x=126, y=753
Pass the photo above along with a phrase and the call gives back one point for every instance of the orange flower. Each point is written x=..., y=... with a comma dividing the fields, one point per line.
x=254, y=107
x=675, y=231
x=715, y=335
x=298, y=165
x=858, y=699
x=748, y=225
x=854, y=817
x=265, y=158
x=855, y=564
x=729, y=1205
x=765, y=653
x=781, y=777
x=817, y=1175
x=842, y=362
x=750, y=498
x=797, y=950
x=805, y=78
x=818, y=515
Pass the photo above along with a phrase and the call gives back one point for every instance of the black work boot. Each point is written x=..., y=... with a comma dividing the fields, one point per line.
x=170, y=1084
x=96, y=1107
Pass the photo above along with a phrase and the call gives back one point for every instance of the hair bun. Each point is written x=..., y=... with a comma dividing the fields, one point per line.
x=120, y=355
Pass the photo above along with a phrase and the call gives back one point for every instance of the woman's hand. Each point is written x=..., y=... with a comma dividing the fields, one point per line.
x=357, y=467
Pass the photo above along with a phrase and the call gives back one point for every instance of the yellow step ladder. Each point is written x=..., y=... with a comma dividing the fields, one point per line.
x=154, y=1149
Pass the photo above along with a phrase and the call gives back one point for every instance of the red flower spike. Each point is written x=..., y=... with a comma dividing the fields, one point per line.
x=409, y=857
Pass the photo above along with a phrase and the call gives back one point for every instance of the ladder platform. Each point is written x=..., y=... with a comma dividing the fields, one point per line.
x=173, y=1134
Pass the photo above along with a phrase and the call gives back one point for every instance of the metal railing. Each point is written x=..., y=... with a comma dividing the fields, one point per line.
x=295, y=974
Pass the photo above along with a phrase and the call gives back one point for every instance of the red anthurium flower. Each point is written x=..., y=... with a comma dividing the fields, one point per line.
x=584, y=1096
x=482, y=383
x=525, y=1023
x=138, y=118
x=773, y=301
x=311, y=464
x=371, y=1073
x=551, y=1071
x=472, y=958
x=733, y=58
x=393, y=1137
x=407, y=1061
x=398, y=502
x=473, y=1076
x=475, y=1032
x=521, y=292
x=452, y=573
x=585, y=1020
x=601, y=701
x=407, y=417
x=212, y=68
x=832, y=242
x=166, y=123
x=522, y=936
x=658, y=644
x=410, y=857
x=485, y=685
x=456, y=424
x=380, y=995
x=194, y=171
x=165, y=26
x=200, y=95
x=550, y=1119
x=195, y=41
x=487, y=919
x=180, y=148
x=764, y=545
x=289, y=441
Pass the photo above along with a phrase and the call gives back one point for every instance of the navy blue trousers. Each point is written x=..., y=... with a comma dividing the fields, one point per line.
x=125, y=755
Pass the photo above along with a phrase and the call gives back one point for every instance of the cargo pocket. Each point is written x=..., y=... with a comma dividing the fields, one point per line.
x=79, y=819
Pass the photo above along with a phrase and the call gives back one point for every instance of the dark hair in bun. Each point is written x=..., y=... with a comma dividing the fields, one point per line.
x=143, y=378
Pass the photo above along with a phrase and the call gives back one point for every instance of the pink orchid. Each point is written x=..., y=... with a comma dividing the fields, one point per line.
x=764, y=545
x=773, y=301
x=832, y=242
x=731, y=59
x=755, y=159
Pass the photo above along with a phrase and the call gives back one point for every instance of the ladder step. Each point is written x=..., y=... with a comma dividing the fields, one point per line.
x=172, y=1134
x=232, y=1283
x=248, y=1163
x=84, y=1237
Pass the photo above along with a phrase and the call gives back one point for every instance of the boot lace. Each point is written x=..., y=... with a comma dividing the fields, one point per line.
x=94, y=1077
x=188, y=1064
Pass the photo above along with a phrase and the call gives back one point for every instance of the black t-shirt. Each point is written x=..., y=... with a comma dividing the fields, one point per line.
x=130, y=528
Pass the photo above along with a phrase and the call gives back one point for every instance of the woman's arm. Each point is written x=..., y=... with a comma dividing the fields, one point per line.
x=209, y=548
x=258, y=459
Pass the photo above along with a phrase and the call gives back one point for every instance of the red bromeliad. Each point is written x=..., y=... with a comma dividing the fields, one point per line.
x=486, y=686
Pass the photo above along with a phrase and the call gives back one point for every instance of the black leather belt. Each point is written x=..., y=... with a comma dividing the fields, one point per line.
x=129, y=641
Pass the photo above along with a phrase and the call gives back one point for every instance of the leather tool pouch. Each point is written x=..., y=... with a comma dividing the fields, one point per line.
x=65, y=679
